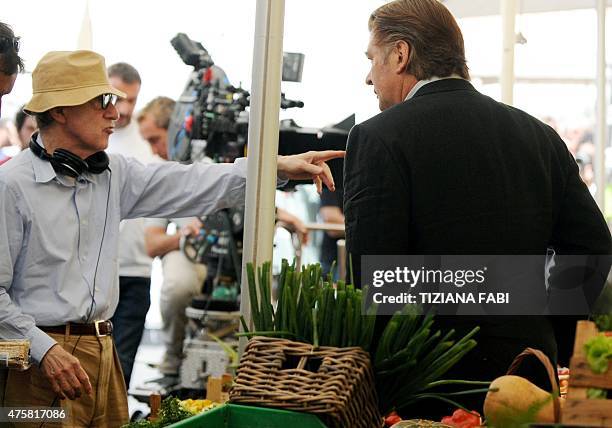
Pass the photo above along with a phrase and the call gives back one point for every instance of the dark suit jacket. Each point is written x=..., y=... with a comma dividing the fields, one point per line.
x=452, y=171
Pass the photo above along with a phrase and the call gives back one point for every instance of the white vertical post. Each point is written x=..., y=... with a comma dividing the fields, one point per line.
x=599, y=163
x=263, y=141
x=508, y=16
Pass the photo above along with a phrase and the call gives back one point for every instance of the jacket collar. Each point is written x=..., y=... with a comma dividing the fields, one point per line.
x=444, y=85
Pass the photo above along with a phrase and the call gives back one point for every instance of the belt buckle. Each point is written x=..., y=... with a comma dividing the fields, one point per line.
x=97, y=326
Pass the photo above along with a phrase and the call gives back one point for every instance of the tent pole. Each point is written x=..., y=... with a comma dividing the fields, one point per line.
x=601, y=122
x=508, y=16
x=263, y=142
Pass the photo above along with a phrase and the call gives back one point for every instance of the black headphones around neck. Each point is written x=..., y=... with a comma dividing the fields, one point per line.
x=67, y=163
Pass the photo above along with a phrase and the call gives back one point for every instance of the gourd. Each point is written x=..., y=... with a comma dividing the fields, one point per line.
x=513, y=400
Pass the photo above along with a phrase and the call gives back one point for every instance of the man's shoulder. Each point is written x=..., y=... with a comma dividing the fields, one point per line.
x=523, y=116
x=17, y=176
x=406, y=111
x=17, y=169
x=446, y=108
x=510, y=117
x=385, y=124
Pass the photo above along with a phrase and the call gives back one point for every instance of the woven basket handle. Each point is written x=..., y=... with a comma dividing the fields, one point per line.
x=302, y=363
x=549, y=369
x=304, y=359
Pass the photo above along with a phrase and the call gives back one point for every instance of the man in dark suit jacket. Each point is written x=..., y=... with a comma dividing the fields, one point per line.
x=444, y=169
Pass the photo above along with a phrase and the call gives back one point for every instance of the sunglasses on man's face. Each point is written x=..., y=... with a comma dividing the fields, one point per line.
x=7, y=43
x=106, y=99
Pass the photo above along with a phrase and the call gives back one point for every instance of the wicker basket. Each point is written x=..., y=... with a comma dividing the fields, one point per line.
x=550, y=370
x=336, y=384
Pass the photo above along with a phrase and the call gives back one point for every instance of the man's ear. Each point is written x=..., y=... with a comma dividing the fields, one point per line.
x=57, y=113
x=403, y=55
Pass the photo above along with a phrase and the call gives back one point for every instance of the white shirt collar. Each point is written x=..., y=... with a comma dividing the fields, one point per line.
x=44, y=172
x=422, y=83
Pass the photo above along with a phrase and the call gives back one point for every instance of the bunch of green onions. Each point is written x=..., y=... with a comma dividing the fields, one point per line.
x=409, y=359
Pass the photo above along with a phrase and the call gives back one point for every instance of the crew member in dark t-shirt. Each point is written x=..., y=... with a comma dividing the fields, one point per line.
x=331, y=212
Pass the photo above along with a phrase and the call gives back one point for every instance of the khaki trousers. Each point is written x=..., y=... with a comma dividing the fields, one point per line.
x=183, y=279
x=107, y=407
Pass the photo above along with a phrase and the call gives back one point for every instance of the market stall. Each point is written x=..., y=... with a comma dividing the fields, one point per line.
x=313, y=361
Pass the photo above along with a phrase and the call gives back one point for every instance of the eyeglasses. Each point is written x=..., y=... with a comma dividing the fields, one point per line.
x=7, y=43
x=106, y=99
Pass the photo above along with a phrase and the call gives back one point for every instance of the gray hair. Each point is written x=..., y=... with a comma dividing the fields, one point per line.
x=427, y=26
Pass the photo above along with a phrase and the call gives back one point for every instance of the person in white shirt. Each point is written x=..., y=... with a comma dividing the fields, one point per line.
x=134, y=263
x=183, y=278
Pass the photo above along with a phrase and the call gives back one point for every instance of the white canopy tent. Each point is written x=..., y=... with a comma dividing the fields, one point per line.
x=472, y=8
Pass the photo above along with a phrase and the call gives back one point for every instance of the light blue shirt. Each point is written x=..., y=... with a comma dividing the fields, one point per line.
x=59, y=236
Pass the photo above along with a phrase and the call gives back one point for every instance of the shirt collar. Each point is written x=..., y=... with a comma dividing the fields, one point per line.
x=44, y=172
x=422, y=83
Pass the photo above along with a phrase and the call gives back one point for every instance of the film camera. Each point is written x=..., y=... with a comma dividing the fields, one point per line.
x=210, y=118
x=210, y=123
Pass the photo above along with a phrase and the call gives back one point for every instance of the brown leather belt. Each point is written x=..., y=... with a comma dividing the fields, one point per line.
x=98, y=328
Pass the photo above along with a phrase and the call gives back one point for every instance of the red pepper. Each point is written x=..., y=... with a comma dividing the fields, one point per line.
x=463, y=419
x=392, y=418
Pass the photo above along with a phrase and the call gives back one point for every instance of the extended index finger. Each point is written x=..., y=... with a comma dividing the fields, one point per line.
x=326, y=155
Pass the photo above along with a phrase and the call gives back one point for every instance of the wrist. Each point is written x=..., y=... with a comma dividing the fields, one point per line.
x=280, y=168
x=40, y=344
x=43, y=359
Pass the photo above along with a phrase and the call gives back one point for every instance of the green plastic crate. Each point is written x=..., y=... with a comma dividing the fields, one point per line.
x=234, y=416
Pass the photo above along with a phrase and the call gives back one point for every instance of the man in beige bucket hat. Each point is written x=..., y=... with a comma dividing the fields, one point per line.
x=61, y=202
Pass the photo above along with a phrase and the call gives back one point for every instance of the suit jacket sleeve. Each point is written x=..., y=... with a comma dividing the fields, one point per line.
x=376, y=199
x=580, y=227
x=581, y=238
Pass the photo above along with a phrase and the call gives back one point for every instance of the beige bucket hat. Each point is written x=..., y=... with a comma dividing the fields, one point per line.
x=68, y=78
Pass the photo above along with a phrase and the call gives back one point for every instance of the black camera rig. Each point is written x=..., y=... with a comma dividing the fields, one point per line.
x=210, y=121
x=210, y=118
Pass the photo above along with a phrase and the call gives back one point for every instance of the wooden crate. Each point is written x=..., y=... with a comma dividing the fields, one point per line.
x=217, y=388
x=15, y=354
x=578, y=410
